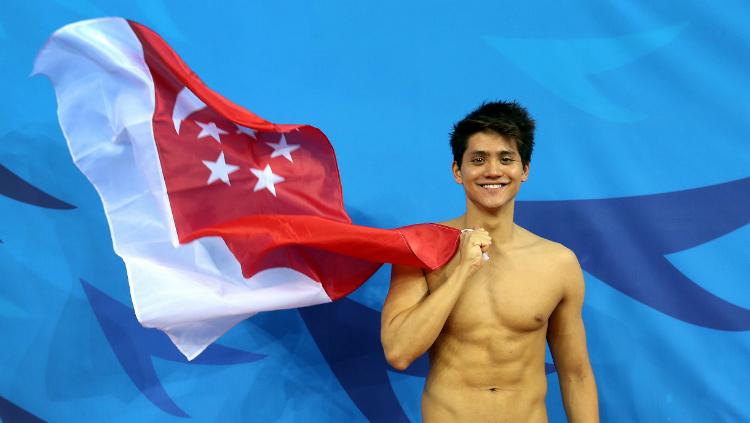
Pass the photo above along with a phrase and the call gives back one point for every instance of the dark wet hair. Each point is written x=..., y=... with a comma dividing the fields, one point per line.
x=506, y=118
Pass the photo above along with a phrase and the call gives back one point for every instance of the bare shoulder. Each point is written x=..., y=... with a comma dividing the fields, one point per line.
x=561, y=258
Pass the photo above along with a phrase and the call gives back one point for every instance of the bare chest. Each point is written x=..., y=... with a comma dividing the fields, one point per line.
x=512, y=294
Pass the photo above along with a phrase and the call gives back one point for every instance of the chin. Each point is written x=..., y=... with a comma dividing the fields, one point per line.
x=492, y=205
x=492, y=200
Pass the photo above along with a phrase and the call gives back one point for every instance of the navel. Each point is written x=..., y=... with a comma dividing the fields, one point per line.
x=497, y=389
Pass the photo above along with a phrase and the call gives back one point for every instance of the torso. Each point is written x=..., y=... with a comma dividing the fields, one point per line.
x=487, y=364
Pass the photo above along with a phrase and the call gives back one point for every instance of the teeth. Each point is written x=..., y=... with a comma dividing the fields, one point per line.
x=492, y=186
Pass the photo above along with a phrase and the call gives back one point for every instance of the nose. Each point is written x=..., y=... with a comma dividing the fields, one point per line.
x=493, y=169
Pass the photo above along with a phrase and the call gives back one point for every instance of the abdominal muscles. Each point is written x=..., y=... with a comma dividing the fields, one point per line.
x=487, y=373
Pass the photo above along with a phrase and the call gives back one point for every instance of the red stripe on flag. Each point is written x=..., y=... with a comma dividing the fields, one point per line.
x=298, y=222
x=425, y=245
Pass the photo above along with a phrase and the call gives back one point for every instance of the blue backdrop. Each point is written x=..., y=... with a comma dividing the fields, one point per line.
x=642, y=166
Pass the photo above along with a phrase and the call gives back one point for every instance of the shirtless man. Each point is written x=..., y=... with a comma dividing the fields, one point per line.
x=485, y=322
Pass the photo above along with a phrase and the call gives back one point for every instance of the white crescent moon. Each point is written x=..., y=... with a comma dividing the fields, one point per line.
x=186, y=104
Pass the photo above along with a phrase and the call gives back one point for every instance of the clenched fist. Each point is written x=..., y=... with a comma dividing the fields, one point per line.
x=473, y=248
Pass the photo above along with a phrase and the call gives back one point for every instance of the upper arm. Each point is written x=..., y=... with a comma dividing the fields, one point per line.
x=566, y=334
x=408, y=288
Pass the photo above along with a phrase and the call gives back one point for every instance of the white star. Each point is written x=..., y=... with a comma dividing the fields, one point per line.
x=246, y=131
x=210, y=129
x=266, y=179
x=219, y=169
x=281, y=148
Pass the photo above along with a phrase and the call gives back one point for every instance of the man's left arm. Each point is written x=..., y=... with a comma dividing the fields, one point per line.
x=567, y=341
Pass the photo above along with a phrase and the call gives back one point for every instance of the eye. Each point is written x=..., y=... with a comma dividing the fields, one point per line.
x=507, y=160
x=477, y=160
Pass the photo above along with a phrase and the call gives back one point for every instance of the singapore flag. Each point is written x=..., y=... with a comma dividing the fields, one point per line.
x=217, y=213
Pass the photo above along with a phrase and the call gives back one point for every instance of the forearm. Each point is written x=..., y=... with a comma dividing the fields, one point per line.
x=413, y=331
x=580, y=396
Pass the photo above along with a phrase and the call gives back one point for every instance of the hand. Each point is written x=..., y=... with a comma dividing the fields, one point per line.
x=473, y=248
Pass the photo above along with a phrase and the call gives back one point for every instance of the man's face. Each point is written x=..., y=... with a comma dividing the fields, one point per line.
x=491, y=170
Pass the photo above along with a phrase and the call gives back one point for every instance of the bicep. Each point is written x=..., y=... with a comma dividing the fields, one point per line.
x=408, y=288
x=566, y=334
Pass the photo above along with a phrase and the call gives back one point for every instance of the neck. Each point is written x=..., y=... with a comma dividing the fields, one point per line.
x=498, y=222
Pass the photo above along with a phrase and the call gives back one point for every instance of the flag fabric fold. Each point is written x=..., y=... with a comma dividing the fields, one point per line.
x=217, y=213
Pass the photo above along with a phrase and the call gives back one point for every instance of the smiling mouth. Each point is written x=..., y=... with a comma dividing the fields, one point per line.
x=492, y=186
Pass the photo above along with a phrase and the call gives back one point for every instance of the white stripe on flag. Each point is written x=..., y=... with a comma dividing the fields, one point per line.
x=194, y=292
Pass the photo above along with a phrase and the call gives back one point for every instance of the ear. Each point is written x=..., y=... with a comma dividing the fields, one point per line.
x=525, y=175
x=457, y=174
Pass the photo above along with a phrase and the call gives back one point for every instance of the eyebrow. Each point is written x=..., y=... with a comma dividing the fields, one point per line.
x=500, y=153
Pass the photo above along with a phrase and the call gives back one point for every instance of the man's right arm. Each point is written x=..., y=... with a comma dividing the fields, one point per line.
x=413, y=317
